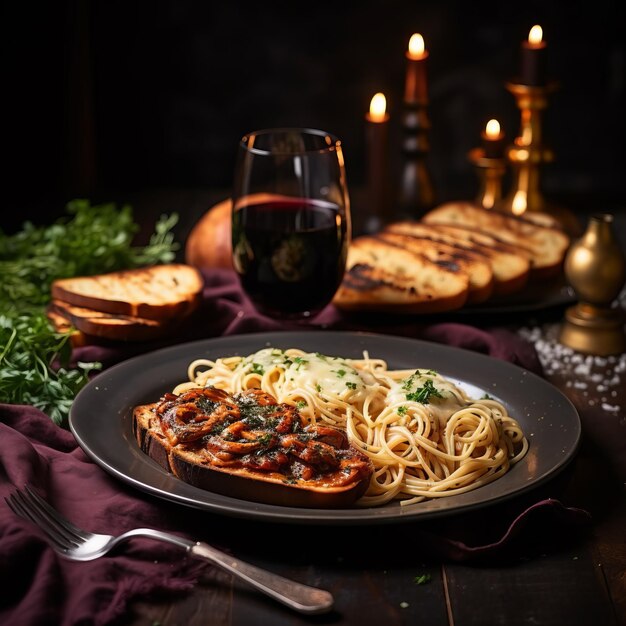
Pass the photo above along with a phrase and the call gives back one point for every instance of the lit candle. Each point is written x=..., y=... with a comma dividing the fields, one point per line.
x=532, y=70
x=416, y=87
x=378, y=109
x=493, y=140
x=377, y=136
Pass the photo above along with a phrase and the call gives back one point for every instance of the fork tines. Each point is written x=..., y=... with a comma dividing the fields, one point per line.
x=28, y=504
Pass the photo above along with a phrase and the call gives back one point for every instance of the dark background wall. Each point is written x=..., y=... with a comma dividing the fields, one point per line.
x=106, y=99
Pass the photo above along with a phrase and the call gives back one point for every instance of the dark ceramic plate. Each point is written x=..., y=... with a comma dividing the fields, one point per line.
x=101, y=420
x=537, y=296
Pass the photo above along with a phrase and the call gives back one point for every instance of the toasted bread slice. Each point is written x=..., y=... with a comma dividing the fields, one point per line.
x=187, y=463
x=383, y=277
x=150, y=437
x=510, y=265
x=160, y=292
x=547, y=245
x=63, y=325
x=109, y=326
x=477, y=267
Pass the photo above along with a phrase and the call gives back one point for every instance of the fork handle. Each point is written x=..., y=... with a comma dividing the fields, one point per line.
x=299, y=597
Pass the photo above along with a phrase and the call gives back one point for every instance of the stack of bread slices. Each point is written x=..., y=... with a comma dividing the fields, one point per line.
x=458, y=254
x=131, y=305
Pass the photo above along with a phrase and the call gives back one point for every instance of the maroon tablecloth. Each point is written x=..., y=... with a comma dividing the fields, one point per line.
x=41, y=588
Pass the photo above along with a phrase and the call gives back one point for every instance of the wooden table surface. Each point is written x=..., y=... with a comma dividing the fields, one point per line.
x=579, y=579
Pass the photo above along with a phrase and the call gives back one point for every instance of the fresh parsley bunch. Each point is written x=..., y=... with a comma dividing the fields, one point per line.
x=90, y=240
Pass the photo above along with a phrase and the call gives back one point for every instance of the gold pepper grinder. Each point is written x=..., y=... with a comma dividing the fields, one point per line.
x=596, y=269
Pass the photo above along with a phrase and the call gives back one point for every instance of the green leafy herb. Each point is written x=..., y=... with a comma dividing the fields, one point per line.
x=301, y=404
x=341, y=373
x=34, y=358
x=423, y=394
x=350, y=385
x=486, y=396
x=257, y=368
x=422, y=579
x=402, y=410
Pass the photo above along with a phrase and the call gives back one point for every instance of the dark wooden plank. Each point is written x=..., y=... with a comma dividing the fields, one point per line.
x=375, y=596
x=209, y=602
x=566, y=588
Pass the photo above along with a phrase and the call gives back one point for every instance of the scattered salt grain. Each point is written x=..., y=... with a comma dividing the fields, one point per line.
x=585, y=374
x=610, y=407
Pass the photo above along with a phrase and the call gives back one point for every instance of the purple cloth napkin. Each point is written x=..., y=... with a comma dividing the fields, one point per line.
x=38, y=586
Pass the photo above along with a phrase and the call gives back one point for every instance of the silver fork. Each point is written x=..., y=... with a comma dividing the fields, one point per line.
x=79, y=545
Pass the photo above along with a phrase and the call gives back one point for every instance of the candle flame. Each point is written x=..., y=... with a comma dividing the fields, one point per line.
x=492, y=130
x=535, y=35
x=378, y=106
x=520, y=202
x=416, y=46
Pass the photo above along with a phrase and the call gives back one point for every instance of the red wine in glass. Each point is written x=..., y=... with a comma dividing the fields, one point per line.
x=290, y=220
x=290, y=254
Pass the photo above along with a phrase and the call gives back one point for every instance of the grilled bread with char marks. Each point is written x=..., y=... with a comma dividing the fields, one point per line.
x=510, y=265
x=477, y=267
x=547, y=246
x=383, y=277
x=108, y=326
x=160, y=292
x=249, y=446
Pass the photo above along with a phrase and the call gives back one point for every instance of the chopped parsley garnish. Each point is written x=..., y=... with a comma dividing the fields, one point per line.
x=257, y=368
x=408, y=383
x=402, y=410
x=350, y=385
x=299, y=361
x=341, y=373
x=319, y=355
x=254, y=420
x=422, y=579
x=486, y=396
x=301, y=404
x=423, y=394
x=265, y=439
x=318, y=388
x=206, y=405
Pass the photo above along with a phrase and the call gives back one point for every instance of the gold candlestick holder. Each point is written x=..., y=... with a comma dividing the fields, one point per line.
x=528, y=153
x=596, y=269
x=490, y=172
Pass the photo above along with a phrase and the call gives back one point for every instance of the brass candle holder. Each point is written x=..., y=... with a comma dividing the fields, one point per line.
x=490, y=171
x=596, y=269
x=417, y=192
x=528, y=153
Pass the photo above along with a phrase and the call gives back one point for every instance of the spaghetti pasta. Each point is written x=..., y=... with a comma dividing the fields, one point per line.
x=424, y=435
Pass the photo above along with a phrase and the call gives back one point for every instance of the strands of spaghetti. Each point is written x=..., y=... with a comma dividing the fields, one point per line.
x=425, y=436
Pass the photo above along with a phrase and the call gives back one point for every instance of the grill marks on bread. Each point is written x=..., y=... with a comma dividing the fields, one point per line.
x=385, y=277
x=420, y=267
x=131, y=305
x=159, y=292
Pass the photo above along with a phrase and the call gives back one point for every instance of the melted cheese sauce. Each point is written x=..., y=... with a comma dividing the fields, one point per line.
x=448, y=401
x=330, y=376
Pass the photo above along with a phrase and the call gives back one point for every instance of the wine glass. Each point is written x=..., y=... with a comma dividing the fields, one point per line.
x=290, y=220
